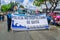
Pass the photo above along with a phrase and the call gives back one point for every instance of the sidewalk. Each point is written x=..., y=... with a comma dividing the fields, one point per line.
x=28, y=35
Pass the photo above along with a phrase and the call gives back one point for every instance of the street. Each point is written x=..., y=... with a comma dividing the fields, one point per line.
x=30, y=14
x=28, y=35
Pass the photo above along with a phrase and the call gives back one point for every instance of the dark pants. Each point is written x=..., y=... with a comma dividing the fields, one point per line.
x=1, y=17
x=9, y=23
x=54, y=22
x=49, y=21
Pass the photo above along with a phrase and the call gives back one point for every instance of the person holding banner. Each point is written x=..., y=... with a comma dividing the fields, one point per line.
x=9, y=17
x=17, y=10
x=9, y=21
x=49, y=18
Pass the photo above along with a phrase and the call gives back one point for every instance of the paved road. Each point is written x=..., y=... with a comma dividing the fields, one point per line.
x=25, y=35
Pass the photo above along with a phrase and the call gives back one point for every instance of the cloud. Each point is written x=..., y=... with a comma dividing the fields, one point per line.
x=31, y=0
x=28, y=3
x=25, y=2
x=5, y=1
x=20, y=1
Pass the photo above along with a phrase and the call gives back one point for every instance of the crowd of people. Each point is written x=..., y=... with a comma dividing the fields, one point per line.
x=1, y=17
x=17, y=10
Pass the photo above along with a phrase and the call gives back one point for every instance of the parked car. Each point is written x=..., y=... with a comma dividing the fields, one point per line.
x=56, y=18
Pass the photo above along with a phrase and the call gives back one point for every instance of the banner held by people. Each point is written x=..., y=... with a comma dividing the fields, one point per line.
x=29, y=22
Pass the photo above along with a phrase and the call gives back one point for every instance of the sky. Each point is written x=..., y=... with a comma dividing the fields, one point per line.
x=20, y=1
x=28, y=3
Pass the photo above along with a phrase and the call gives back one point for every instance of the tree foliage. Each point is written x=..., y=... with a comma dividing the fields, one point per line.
x=38, y=2
x=5, y=8
x=8, y=7
x=52, y=2
x=21, y=6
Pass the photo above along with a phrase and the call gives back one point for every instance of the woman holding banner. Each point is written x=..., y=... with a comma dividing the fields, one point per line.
x=9, y=17
x=15, y=11
x=9, y=21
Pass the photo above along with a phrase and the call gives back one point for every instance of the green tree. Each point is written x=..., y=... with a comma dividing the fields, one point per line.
x=8, y=7
x=5, y=8
x=21, y=6
x=38, y=2
x=52, y=2
x=12, y=5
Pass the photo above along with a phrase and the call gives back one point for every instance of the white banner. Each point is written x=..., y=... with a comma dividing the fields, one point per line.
x=29, y=22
